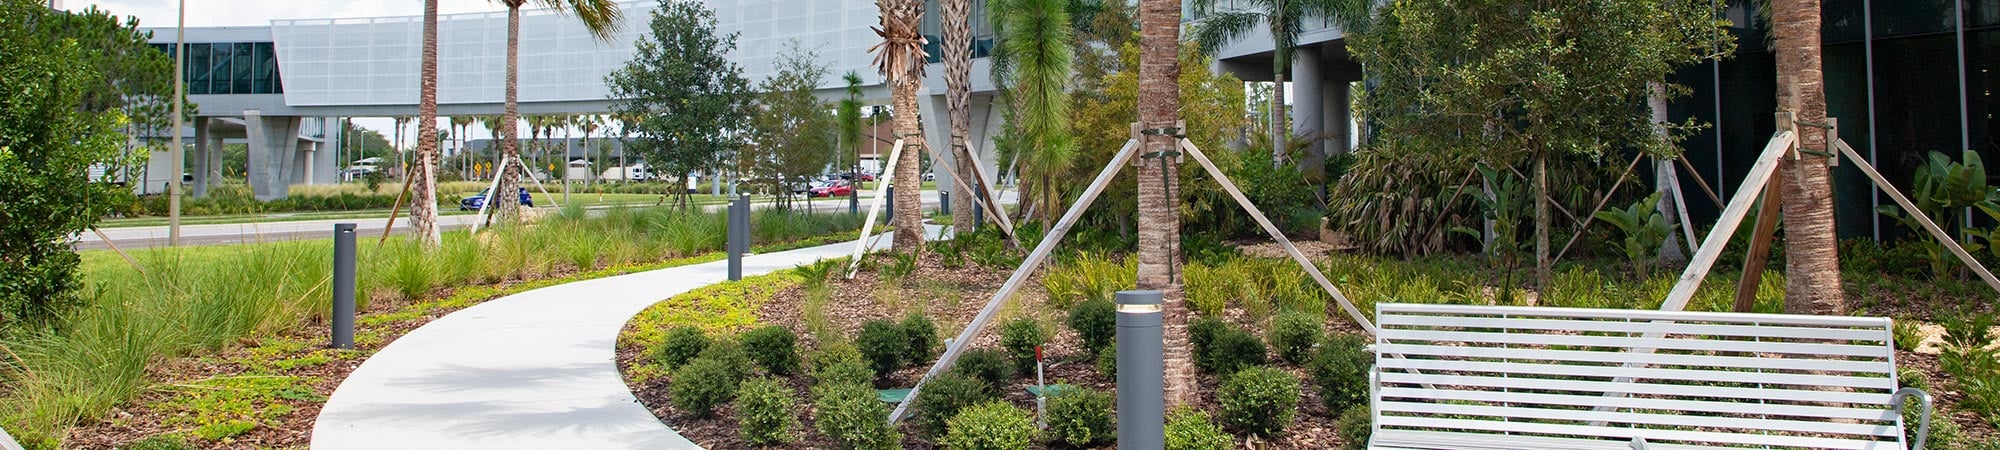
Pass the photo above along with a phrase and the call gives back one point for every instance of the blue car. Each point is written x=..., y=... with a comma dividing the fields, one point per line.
x=474, y=202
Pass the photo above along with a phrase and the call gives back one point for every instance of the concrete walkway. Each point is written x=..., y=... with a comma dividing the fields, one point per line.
x=531, y=370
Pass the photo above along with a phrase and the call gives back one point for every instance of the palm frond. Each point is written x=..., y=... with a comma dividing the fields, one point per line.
x=602, y=17
x=1218, y=29
x=901, y=52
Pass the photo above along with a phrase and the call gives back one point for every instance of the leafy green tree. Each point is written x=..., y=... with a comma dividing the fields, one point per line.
x=848, y=114
x=790, y=136
x=50, y=135
x=1035, y=36
x=135, y=79
x=683, y=92
x=1285, y=20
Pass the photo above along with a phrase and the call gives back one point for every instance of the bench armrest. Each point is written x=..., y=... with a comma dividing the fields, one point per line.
x=1923, y=420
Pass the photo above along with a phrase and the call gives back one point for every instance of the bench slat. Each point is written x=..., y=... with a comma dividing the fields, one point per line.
x=1642, y=403
x=1387, y=335
x=1415, y=439
x=1647, y=373
x=1739, y=424
x=1746, y=362
x=1627, y=433
x=1388, y=309
x=1678, y=328
x=1670, y=390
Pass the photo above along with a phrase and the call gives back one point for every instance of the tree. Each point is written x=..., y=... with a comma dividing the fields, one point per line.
x=423, y=202
x=459, y=126
x=625, y=123
x=1509, y=83
x=680, y=94
x=590, y=123
x=900, y=58
x=601, y=17
x=402, y=159
x=50, y=135
x=1034, y=36
x=1159, y=203
x=1812, y=260
x=957, y=48
x=137, y=80
x=790, y=136
x=1285, y=19
x=848, y=114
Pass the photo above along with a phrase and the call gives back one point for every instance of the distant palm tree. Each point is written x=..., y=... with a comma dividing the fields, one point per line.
x=601, y=17
x=459, y=125
x=590, y=123
x=1285, y=20
x=1035, y=37
x=624, y=133
x=848, y=114
x=900, y=58
x=402, y=159
x=423, y=202
x=957, y=47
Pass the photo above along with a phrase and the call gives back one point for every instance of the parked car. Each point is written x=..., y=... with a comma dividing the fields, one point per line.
x=477, y=201
x=930, y=176
x=852, y=176
x=836, y=188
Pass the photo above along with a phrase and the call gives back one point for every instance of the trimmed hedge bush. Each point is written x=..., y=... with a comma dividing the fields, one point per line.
x=850, y=418
x=681, y=344
x=1095, y=322
x=1081, y=417
x=1020, y=337
x=1232, y=350
x=1190, y=429
x=764, y=412
x=836, y=363
x=1201, y=333
x=943, y=397
x=1259, y=400
x=1354, y=427
x=731, y=355
x=774, y=348
x=701, y=384
x=922, y=334
x=1107, y=362
x=990, y=426
x=1294, y=335
x=985, y=364
x=1339, y=371
x=882, y=344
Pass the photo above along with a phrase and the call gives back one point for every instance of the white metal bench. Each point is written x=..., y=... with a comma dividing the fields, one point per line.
x=1486, y=377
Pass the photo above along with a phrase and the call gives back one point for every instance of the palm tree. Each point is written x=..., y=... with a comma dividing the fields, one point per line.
x=900, y=58
x=402, y=159
x=1286, y=19
x=1159, y=203
x=624, y=133
x=1812, y=260
x=459, y=125
x=848, y=115
x=1035, y=38
x=957, y=47
x=423, y=202
x=493, y=127
x=590, y=123
x=601, y=17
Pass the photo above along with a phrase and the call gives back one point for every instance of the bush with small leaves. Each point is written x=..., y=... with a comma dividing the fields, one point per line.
x=1020, y=337
x=1201, y=333
x=985, y=364
x=731, y=354
x=1107, y=362
x=680, y=345
x=1259, y=400
x=701, y=384
x=1339, y=371
x=1095, y=322
x=1190, y=429
x=774, y=348
x=1293, y=335
x=943, y=397
x=923, y=338
x=1081, y=417
x=989, y=426
x=836, y=363
x=850, y=417
x=1232, y=350
x=764, y=411
x=1354, y=427
x=883, y=344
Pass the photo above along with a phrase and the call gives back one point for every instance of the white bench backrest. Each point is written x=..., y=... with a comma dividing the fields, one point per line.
x=1701, y=379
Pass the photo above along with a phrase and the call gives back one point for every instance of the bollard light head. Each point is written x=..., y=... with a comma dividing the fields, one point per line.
x=1139, y=302
x=343, y=228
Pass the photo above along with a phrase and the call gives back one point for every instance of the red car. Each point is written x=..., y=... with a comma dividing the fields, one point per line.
x=862, y=176
x=836, y=188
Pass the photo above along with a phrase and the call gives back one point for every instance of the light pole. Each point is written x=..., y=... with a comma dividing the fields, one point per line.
x=174, y=154
x=1141, y=371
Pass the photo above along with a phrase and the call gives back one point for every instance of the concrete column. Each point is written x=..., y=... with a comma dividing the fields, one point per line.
x=200, y=159
x=986, y=127
x=1307, y=85
x=935, y=116
x=1339, y=118
x=273, y=146
x=213, y=160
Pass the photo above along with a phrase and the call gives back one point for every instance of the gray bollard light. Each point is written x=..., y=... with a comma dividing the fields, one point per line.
x=1142, y=392
x=944, y=202
x=343, y=285
x=854, y=200
x=739, y=235
x=890, y=205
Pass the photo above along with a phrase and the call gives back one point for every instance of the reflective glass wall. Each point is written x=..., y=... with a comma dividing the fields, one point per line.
x=230, y=68
x=931, y=26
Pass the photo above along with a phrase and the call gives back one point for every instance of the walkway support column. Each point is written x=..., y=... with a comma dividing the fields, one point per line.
x=1338, y=118
x=201, y=160
x=1307, y=90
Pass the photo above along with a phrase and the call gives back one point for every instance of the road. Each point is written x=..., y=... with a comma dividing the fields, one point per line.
x=130, y=238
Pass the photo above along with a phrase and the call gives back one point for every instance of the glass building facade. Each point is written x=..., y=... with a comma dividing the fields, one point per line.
x=1904, y=78
x=932, y=27
x=230, y=68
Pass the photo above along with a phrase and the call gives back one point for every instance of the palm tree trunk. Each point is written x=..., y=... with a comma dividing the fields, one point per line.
x=1159, y=202
x=1812, y=261
x=957, y=47
x=1541, y=182
x=506, y=203
x=423, y=202
x=1279, y=129
x=909, y=184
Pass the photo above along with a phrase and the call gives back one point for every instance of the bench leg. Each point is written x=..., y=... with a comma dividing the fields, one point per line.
x=1923, y=420
x=1638, y=443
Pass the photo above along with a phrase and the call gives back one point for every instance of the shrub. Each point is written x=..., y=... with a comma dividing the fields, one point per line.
x=838, y=363
x=882, y=344
x=1339, y=371
x=1096, y=322
x=1020, y=337
x=764, y=412
x=681, y=344
x=851, y=418
x=944, y=396
x=1259, y=400
x=1107, y=362
x=1081, y=417
x=1354, y=427
x=1294, y=335
x=989, y=426
x=1201, y=332
x=774, y=348
x=922, y=334
x=985, y=364
x=1190, y=429
x=1232, y=350
x=701, y=384
x=732, y=357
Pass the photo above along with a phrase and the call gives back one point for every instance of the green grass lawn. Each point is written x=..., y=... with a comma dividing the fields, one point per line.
x=581, y=198
x=870, y=185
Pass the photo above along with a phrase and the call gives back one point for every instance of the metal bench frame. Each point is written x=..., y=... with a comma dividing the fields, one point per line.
x=1497, y=377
